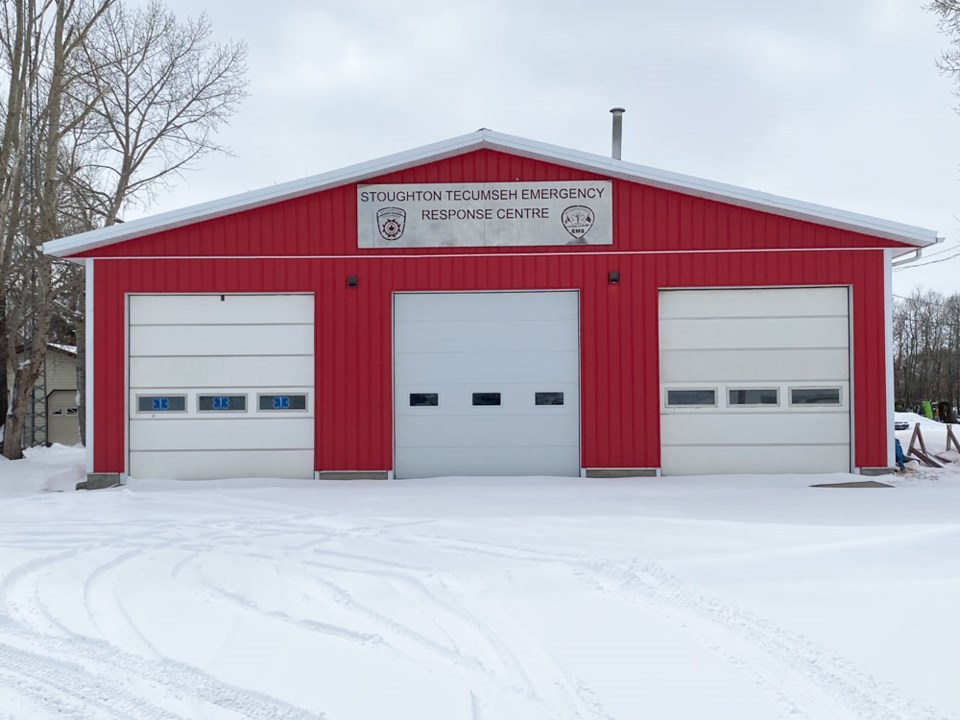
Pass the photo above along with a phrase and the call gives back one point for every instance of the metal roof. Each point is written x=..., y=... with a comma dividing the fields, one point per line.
x=490, y=140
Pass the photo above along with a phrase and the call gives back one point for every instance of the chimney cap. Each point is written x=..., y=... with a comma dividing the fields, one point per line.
x=618, y=110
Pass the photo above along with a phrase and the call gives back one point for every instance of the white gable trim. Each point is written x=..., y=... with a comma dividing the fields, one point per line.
x=487, y=139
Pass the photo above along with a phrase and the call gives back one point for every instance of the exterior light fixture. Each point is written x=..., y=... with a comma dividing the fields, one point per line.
x=614, y=277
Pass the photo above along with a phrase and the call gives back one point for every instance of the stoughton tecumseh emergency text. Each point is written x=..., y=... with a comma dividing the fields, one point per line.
x=482, y=194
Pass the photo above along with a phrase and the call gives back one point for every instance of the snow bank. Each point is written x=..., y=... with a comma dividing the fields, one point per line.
x=510, y=598
x=44, y=469
x=914, y=418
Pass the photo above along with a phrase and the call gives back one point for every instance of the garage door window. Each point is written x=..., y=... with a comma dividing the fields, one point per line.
x=222, y=403
x=815, y=396
x=486, y=398
x=753, y=396
x=424, y=399
x=691, y=398
x=282, y=403
x=161, y=403
x=549, y=398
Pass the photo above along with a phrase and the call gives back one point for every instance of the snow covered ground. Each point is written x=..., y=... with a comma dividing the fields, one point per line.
x=712, y=597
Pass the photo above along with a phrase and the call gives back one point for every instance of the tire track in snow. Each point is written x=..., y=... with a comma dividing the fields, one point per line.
x=32, y=612
x=474, y=672
x=859, y=691
x=342, y=597
x=22, y=601
x=513, y=677
x=115, y=610
x=511, y=667
x=790, y=698
x=217, y=594
x=830, y=674
x=794, y=699
x=579, y=697
x=172, y=676
x=36, y=676
x=400, y=576
x=70, y=650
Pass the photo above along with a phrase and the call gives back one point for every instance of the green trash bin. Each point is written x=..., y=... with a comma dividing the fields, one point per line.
x=927, y=409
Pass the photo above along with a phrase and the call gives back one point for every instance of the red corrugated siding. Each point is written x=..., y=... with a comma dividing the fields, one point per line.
x=645, y=218
x=619, y=355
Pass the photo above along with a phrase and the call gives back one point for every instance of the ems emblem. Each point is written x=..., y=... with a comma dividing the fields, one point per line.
x=577, y=220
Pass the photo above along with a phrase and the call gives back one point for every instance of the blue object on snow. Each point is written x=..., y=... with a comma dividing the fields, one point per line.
x=899, y=455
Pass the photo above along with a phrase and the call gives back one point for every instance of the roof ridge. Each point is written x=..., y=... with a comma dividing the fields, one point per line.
x=484, y=138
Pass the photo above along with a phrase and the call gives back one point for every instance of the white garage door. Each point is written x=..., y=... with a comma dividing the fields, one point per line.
x=63, y=424
x=487, y=384
x=755, y=381
x=221, y=386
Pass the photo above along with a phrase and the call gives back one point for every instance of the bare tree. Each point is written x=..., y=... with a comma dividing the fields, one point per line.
x=104, y=106
x=164, y=90
x=948, y=20
x=43, y=45
x=926, y=339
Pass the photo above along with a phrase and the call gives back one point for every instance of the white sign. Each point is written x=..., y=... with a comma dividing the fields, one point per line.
x=485, y=214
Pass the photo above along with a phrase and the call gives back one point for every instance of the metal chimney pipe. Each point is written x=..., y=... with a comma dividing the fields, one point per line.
x=617, y=130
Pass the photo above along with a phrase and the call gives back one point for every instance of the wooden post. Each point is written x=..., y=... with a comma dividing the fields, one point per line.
x=922, y=455
x=917, y=435
x=952, y=438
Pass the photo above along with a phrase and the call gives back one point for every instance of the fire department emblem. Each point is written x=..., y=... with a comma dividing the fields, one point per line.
x=577, y=220
x=390, y=222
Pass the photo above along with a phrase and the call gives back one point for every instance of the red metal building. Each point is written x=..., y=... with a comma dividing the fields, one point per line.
x=491, y=305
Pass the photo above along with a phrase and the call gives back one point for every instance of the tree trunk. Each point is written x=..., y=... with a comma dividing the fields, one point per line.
x=4, y=390
x=13, y=430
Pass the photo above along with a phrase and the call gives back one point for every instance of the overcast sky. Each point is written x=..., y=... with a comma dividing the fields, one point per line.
x=837, y=102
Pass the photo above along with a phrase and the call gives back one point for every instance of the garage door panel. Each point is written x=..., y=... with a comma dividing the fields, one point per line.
x=211, y=310
x=235, y=433
x=208, y=465
x=695, y=460
x=220, y=345
x=213, y=372
x=759, y=428
x=452, y=461
x=730, y=366
x=476, y=431
x=828, y=332
x=487, y=336
x=233, y=340
x=459, y=368
x=725, y=339
x=754, y=302
x=465, y=307
x=510, y=344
